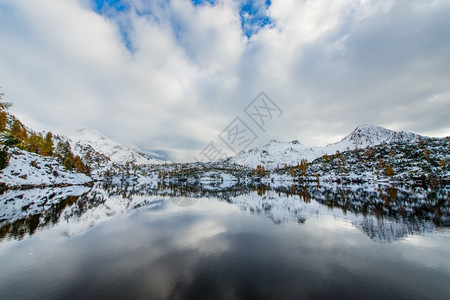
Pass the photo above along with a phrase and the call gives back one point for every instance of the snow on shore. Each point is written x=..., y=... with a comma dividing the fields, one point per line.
x=30, y=169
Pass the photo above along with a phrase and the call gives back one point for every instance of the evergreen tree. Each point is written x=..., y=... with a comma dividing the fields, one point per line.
x=64, y=155
x=4, y=159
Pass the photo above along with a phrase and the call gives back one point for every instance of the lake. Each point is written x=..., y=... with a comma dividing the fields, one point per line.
x=220, y=242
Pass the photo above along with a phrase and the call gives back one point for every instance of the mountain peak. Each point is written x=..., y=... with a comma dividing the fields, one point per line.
x=369, y=126
x=368, y=135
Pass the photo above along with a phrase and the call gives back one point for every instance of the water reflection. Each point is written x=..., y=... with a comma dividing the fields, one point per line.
x=243, y=242
x=384, y=213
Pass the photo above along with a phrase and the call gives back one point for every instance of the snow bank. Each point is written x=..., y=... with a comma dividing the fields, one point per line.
x=30, y=169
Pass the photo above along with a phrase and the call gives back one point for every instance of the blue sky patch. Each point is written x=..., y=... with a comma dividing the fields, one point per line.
x=102, y=5
x=202, y=2
x=254, y=16
x=110, y=8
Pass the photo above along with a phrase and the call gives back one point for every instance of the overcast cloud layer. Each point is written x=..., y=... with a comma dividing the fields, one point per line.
x=171, y=75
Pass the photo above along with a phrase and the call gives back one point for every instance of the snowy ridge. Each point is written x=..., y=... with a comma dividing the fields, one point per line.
x=276, y=153
x=31, y=169
x=85, y=141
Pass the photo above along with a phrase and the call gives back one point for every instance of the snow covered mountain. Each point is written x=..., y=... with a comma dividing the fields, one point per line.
x=370, y=135
x=88, y=142
x=276, y=153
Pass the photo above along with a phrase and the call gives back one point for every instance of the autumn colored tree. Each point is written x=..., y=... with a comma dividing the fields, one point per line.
x=260, y=170
x=369, y=152
x=392, y=152
x=4, y=106
x=65, y=156
x=292, y=172
x=389, y=171
x=19, y=132
x=302, y=166
x=80, y=166
x=426, y=153
x=381, y=164
x=47, y=146
x=3, y=120
x=35, y=143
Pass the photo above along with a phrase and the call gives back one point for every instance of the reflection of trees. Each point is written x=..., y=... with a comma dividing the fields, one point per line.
x=384, y=211
x=406, y=204
x=50, y=216
x=400, y=203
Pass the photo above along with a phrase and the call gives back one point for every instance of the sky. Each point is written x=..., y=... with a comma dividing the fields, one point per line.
x=172, y=76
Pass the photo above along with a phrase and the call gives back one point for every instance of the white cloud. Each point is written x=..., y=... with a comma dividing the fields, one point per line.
x=329, y=65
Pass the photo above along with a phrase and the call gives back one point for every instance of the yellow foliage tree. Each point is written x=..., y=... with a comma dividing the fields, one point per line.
x=389, y=171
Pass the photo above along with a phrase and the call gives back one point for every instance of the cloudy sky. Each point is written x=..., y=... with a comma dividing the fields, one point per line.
x=170, y=76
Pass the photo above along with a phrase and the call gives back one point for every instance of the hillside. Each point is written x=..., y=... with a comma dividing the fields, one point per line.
x=27, y=169
x=427, y=159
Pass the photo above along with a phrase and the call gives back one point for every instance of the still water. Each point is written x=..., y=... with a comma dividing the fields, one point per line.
x=185, y=242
